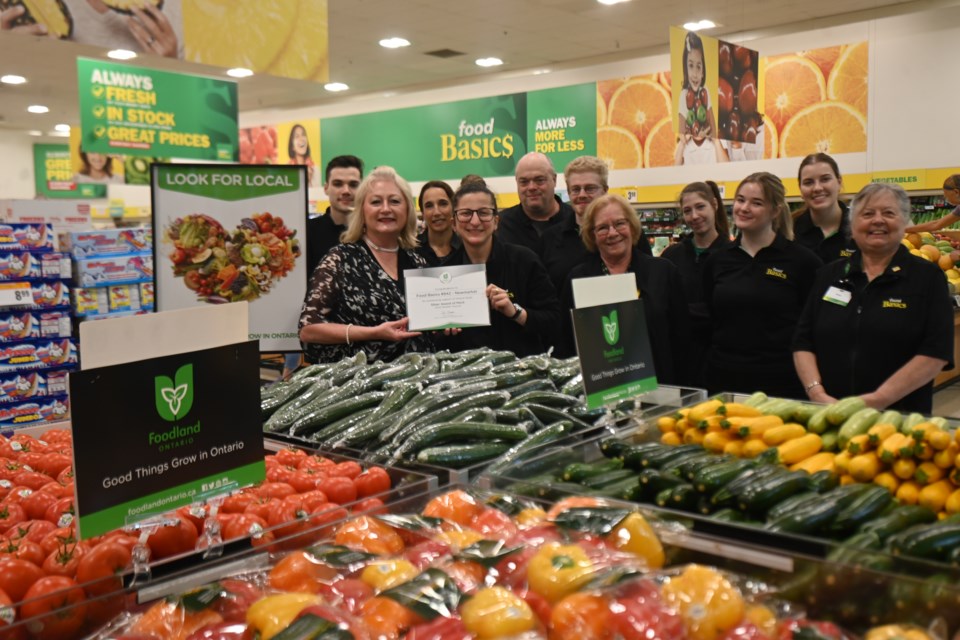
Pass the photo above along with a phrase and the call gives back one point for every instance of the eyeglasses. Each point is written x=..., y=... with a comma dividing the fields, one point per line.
x=603, y=229
x=466, y=215
x=590, y=190
x=539, y=181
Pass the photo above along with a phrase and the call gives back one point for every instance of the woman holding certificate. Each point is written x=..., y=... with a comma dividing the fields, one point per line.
x=355, y=301
x=523, y=304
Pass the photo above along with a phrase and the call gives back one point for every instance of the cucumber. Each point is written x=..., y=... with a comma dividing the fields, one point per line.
x=580, y=471
x=506, y=416
x=865, y=507
x=427, y=403
x=546, y=398
x=429, y=365
x=285, y=416
x=509, y=380
x=497, y=357
x=708, y=480
x=309, y=371
x=459, y=456
x=857, y=424
x=841, y=410
x=333, y=430
x=481, y=369
x=397, y=397
x=396, y=373
x=760, y=496
x=491, y=399
x=285, y=392
x=481, y=414
x=314, y=421
x=898, y=520
x=458, y=431
x=780, y=407
x=573, y=386
x=552, y=414
x=531, y=384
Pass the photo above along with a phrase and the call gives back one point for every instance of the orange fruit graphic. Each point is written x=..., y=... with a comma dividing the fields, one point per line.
x=771, y=140
x=791, y=83
x=661, y=145
x=241, y=33
x=306, y=48
x=824, y=58
x=828, y=127
x=606, y=88
x=665, y=78
x=619, y=148
x=848, y=80
x=601, y=111
x=638, y=105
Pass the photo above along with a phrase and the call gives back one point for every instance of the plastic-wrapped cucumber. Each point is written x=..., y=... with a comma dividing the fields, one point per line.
x=531, y=384
x=332, y=431
x=323, y=416
x=283, y=417
x=286, y=392
x=445, y=412
x=396, y=398
x=573, y=386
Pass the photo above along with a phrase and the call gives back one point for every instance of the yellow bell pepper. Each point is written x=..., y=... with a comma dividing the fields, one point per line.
x=273, y=614
x=634, y=534
x=386, y=574
x=709, y=605
x=558, y=570
x=497, y=612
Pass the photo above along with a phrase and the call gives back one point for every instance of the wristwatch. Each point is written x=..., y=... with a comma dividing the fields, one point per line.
x=517, y=311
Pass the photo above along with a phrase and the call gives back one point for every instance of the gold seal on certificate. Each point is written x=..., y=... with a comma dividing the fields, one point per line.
x=447, y=297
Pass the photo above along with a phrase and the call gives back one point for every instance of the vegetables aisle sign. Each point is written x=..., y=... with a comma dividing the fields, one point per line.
x=146, y=112
x=232, y=233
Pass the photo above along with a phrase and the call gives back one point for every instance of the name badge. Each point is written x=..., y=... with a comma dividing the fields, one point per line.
x=838, y=296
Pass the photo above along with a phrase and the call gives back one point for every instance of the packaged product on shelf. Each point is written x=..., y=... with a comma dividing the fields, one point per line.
x=107, y=242
x=146, y=296
x=49, y=295
x=33, y=411
x=31, y=325
x=37, y=238
x=20, y=265
x=105, y=301
x=38, y=354
x=18, y=386
x=101, y=272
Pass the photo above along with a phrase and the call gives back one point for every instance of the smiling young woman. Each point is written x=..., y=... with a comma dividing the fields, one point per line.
x=823, y=224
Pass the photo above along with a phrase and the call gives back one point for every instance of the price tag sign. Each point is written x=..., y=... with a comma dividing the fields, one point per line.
x=14, y=294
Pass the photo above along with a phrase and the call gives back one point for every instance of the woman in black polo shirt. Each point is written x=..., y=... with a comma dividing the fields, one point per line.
x=880, y=323
x=823, y=224
x=755, y=289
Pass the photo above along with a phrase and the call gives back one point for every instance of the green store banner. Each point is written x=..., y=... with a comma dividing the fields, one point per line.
x=485, y=136
x=146, y=112
x=54, y=175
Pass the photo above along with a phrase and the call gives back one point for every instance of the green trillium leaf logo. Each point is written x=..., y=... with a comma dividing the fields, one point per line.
x=611, y=328
x=174, y=398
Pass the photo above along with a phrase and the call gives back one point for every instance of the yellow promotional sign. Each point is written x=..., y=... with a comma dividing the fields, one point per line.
x=299, y=143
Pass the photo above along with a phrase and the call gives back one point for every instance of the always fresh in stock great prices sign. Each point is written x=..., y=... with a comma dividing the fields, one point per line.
x=146, y=112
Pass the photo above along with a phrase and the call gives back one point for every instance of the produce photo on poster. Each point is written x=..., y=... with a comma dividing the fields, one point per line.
x=693, y=66
x=806, y=102
x=299, y=143
x=229, y=234
x=258, y=145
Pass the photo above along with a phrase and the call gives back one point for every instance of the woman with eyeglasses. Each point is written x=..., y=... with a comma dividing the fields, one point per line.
x=438, y=239
x=755, y=289
x=878, y=324
x=523, y=304
x=610, y=231
x=355, y=301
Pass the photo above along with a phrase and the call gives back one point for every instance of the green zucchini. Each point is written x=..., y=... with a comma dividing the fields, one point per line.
x=557, y=490
x=817, y=423
x=829, y=440
x=660, y=457
x=934, y=541
x=760, y=496
x=634, y=454
x=458, y=431
x=459, y=456
x=756, y=399
x=682, y=497
x=613, y=447
x=653, y=482
x=810, y=517
x=841, y=410
x=708, y=480
x=891, y=416
x=780, y=407
x=803, y=411
x=898, y=520
x=857, y=424
x=627, y=488
x=823, y=481
x=314, y=421
x=728, y=515
x=792, y=502
x=864, y=507
x=580, y=471
x=911, y=421
x=602, y=480
x=549, y=459
x=678, y=464
x=727, y=495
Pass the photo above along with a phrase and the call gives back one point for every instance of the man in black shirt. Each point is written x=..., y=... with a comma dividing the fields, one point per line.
x=343, y=176
x=539, y=207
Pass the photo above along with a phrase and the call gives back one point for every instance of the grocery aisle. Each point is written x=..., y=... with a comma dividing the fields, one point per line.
x=946, y=401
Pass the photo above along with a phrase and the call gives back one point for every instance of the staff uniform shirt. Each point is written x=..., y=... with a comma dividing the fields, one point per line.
x=350, y=287
x=836, y=246
x=322, y=235
x=516, y=227
x=664, y=308
x=904, y=312
x=755, y=303
x=425, y=250
x=518, y=271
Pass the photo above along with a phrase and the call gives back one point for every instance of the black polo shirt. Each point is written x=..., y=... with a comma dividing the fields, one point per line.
x=838, y=245
x=425, y=250
x=684, y=254
x=755, y=302
x=516, y=227
x=322, y=235
x=904, y=312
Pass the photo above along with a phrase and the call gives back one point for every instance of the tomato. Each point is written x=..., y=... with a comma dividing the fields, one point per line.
x=237, y=502
x=190, y=278
x=289, y=457
x=373, y=506
x=58, y=604
x=303, y=481
x=171, y=540
x=278, y=473
x=793, y=628
x=243, y=525
x=339, y=489
x=35, y=505
x=633, y=618
x=457, y=506
x=52, y=464
x=99, y=568
x=287, y=521
x=315, y=464
x=196, y=514
x=351, y=592
x=64, y=560
x=10, y=515
x=277, y=490
x=299, y=571
x=348, y=469
x=745, y=631
x=58, y=490
x=423, y=554
x=263, y=507
x=493, y=523
x=16, y=576
x=748, y=93
x=7, y=612
x=9, y=468
x=35, y=530
x=31, y=479
x=66, y=476
x=61, y=512
x=440, y=629
x=57, y=538
x=26, y=550
x=311, y=500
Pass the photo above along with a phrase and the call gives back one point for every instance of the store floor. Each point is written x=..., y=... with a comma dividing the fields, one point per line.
x=946, y=400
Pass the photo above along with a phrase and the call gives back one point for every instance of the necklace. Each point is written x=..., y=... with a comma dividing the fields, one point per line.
x=379, y=248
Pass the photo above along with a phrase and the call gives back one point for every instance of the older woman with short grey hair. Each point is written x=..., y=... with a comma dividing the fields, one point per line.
x=878, y=324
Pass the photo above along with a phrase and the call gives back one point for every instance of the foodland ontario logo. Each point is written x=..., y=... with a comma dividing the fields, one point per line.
x=445, y=277
x=611, y=328
x=174, y=398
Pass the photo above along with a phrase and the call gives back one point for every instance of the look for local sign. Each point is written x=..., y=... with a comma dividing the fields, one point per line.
x=138, y=111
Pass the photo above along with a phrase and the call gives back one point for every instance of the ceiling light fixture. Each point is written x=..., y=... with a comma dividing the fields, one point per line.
x=335, y=86
x=394, y=43
x=121, y=54
x=697, y=26
x=34, y=132
x=62, y=128
x=38, y=108
x=611, y=1
x=489, y=62
x=12, y=79
x=239, y=72
x=540, y=72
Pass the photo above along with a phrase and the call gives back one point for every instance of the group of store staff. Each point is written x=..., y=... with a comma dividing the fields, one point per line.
x=822, y=304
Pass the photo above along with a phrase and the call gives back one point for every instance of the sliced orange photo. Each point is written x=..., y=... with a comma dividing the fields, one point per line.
x=638, y=105
x=791, y=83
x=619, y=148
x=306, y=47
x=241, y=33
x=665, y=78
x=601, y=111
x=848, y=80
x=828, y=127
x=824, y=58
x=661, y=145
x=606, y=88
x=771, y=141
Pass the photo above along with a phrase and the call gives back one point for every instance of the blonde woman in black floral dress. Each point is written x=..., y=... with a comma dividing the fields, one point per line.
x=355, y=301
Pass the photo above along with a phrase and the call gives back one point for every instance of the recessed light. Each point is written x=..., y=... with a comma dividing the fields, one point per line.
x=239, y=72
x=34, y=132
x=611, y=1
x=697, y=26
x=121, y=54
x=540, y=72
x=335, y=86
x=489, y=62
x=62, y=128
x=12, y=79
x=38, y=108
x=394, y=43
